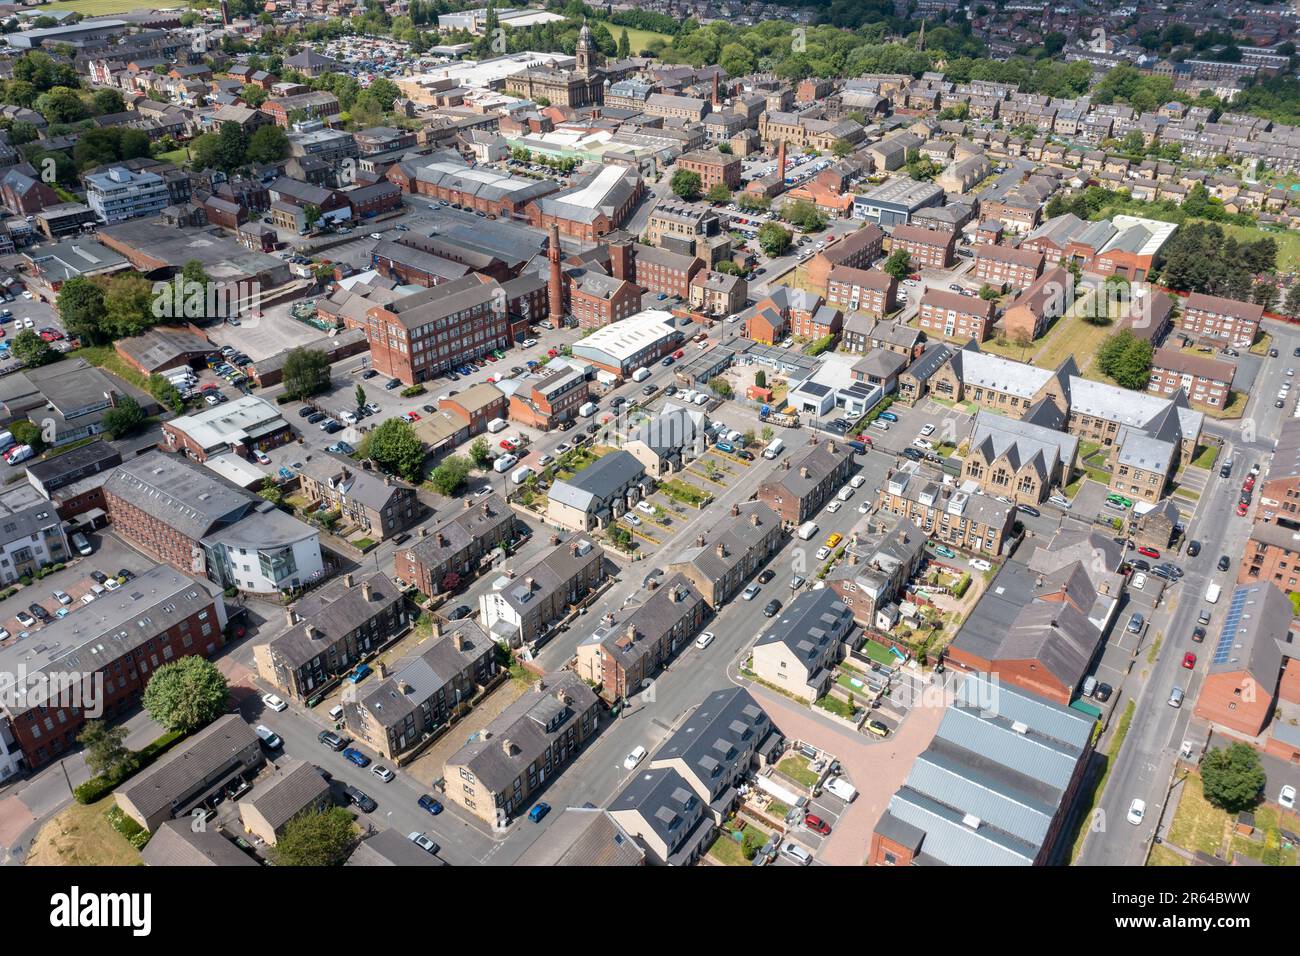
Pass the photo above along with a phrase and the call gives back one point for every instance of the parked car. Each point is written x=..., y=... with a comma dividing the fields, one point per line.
x=355, y=756
x=635, y=757
x=382, y=772
x=1224, y=563
x=430, y=805
x=360, y=799
x=796, y=854
x=274, y=703
x=817, y=824
x=772, y=608
x=1137, y=810
x=331, y=740
x=704, y=640
x=538, y=811
x=423, y=842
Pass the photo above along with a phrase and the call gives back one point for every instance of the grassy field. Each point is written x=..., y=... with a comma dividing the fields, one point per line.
x=177, y=157
x=82, y=836
x=94, y=8
x=637, y=38
x=1288, y=243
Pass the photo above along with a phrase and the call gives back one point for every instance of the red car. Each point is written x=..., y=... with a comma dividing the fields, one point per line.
x=1242, y=508
x=551, y=353
x=1249, y=484
x=1189, y=660
x=679, y=353
x=490, y=358
x=1148, y=552
x=46, y=336
x=817, y=824
x=508, y=445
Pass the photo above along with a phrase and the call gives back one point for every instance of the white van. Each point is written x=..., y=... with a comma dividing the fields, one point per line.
x=841, y=788
x=774, y=448
x=641, y=374
x=6, y=440
x=587, y=410
x=807, y=530
x=520, y=475
x=496, y=425
x=504, y=464
x=268, y=737
x=1212, y=593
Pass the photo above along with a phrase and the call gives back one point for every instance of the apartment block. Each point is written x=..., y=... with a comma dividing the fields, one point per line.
x=1207, y=382
x=1218, y=321
x=954, y=316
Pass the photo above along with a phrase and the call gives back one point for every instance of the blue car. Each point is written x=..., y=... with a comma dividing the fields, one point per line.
x=428, y=803
x=352, y=755
x=539, y=811
x=888, y=416
x=361, y=673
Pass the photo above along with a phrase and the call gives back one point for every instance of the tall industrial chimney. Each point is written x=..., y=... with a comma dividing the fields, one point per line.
x=556, y=293
x=780, y=160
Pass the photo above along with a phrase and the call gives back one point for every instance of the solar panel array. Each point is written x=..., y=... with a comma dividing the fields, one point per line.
x=1228, y=636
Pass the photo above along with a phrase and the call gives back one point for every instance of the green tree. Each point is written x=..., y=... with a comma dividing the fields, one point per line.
x=396, y=448
x=123, y=418
x=899, y=264
x=360, y=395
x=30, y=349
x=254, y=96
x=271, y=492
x=841, y=148
x=803, y=215
x=128, y=306
x=186, y=694
x=268, y=144
x=81, y=307
x=306, y=372
x=108, y=101
x=232, y=147
x=203, y=151
x=479, y=452
x=718, y=193
x=105, y=751
x=1232, y=777
x=449, y=477
x=760, y=378
x=774, y=239
x=165, y=392
x=61, y=105
x=686, y=184
x=311, y=214
x=624, y=45
x=721, y=387
x=316, y=838
x=25, y=433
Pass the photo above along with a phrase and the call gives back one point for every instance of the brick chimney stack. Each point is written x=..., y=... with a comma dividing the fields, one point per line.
x=556, y=291
x=716, y=99
x=780, y=160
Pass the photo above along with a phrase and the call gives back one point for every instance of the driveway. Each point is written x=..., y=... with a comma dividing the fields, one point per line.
x=877, y=768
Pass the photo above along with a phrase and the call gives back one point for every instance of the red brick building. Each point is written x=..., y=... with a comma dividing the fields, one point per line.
x=549, y=399
x=857, y=250
x=122, y=646
x=1240, y=692
x=658, y=270
x=954, y=316
x=422, y=335
x=929, y=248
x=1218, y=321
x=597, y=299
x=713, y=169
x=1001, y=266
x=1207, y=381
x=861, y=290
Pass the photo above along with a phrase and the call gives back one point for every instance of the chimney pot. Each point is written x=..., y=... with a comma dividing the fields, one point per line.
x=424, y=532
x=290, y=616
x=367, y=591
x=735, y=511
x=347, y=581
x=631, y=631
x=436, y=630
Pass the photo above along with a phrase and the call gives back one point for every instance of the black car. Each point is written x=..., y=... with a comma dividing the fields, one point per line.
x=315, y=417
x=592, y=429
x=453, y=376
x=1225, y=470
x=1103, y=692
x=333, y=427
x=648, y=390
x=39, y=612
x=331, y=740
x=402, y=538
x=1272, y=353
x=617, y=401
x=99, y=577
x=911, y=454
x=1296, y=353
x=305, y=411
x=392, y=383
x=772, y=608
x=1141, y=565
x=125, y=575
x=766, y=576
x=670, y=390
x=361, y=800
x=1193, y=548
x=369, y=373
x=1198, y=635
x=517, y=370
x=1032, y=512
x=1224, y=563
x=1162, y=571
x=746, y=455
x=429, y=408
x=458, y=612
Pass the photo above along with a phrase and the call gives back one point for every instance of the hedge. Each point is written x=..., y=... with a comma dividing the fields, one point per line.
x=963, y=585
x=135, y=834
x=100, y=786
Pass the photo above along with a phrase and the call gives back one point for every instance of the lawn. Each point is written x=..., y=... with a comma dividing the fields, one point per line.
x=1163, y=856
x=1198, y=825
x=106, y=357
x=727, y=850
x=881, y=654
x=93, y=8
x=836, y=706
x=82, y=836
x=1072, y=335
x=177, y=157
x=1207, y=457
x=637, y=39
x=795, y=766
x=682, y=491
